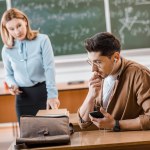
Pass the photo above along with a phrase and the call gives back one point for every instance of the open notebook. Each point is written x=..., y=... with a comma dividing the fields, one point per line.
x=53, y=112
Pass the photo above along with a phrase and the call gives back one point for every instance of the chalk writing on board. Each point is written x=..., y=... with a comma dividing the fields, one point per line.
x=130, y=20
x=2, y=9
x=67, y=22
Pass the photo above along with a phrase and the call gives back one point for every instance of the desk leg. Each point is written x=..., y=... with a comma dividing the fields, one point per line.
x=15, y=129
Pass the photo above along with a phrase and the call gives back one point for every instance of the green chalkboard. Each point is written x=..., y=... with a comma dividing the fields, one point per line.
x=2, y=9
x=67, y=22
x=130, y=21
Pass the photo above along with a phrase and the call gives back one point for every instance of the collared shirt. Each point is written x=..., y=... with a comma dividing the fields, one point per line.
x=31, y=62
x=108, y=85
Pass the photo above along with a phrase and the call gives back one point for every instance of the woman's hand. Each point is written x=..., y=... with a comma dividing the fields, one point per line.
x=53, y=103
x=107, y=122
x=94, y=85
x=14, y=90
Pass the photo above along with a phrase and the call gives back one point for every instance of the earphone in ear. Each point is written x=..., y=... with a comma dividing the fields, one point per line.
x=115, y=60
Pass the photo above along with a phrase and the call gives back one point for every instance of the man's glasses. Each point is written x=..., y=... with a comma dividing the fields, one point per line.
x=98, y=64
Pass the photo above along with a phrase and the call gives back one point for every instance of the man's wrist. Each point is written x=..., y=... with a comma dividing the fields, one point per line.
x=116, y=127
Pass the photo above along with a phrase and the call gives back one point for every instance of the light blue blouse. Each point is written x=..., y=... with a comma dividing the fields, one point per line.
x=31, y=62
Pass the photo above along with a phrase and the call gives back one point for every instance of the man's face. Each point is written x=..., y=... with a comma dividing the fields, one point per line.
x=101, y=64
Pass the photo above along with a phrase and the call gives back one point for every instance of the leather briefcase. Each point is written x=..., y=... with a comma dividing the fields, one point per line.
x=39, y=131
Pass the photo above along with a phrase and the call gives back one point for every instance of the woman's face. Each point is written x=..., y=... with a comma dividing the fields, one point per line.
x=17, y=28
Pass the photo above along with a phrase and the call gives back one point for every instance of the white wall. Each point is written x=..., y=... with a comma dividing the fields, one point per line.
x=75, y=68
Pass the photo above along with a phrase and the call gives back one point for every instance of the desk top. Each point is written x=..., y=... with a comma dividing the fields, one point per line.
x=60, y=86
x=105, y=140
x=72, y=85
x=4, y=91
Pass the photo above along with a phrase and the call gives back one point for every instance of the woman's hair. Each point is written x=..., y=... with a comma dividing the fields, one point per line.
x=104, y=42
x=9, y=15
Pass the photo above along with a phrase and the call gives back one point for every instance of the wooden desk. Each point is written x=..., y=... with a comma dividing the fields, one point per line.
x=70, y=96
x=105, y=140
x=7, y=108
x=60, y=86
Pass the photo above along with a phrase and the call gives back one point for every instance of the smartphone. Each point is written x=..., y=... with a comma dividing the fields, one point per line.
x=96, y=114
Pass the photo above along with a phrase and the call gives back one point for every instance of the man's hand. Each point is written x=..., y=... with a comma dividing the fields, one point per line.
x=107, y=122
x=94, y=85
x=53, y=103
x=14, y=90
x=93, y=93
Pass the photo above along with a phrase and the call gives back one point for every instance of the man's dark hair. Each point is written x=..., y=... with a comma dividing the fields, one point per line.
x=104, y=42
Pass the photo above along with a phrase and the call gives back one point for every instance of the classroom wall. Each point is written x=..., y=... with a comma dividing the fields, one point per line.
x=128, y=19
x=77, y=69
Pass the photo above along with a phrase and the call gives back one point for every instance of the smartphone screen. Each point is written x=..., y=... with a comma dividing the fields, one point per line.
x=96, y=114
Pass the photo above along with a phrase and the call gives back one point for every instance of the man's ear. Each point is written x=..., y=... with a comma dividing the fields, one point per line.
x=115, y=60
x=116, y=56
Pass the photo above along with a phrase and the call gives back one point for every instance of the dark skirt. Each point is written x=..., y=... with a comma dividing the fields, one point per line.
x=31, y=100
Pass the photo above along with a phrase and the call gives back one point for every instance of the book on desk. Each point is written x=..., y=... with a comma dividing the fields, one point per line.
x=53, y=112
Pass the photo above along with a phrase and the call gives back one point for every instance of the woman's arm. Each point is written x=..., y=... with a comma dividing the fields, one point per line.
x=49, y=67
x=9, y=72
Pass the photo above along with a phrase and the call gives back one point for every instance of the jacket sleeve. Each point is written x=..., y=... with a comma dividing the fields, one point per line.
x=143, y=97
x=83, y=124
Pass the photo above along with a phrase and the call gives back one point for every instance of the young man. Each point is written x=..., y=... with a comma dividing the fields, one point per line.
x=119, y=88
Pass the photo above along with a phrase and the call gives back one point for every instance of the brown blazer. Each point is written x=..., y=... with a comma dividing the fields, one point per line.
x=131, y=95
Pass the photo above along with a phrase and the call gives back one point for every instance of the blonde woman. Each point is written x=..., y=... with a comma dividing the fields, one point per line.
x=29, y=64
